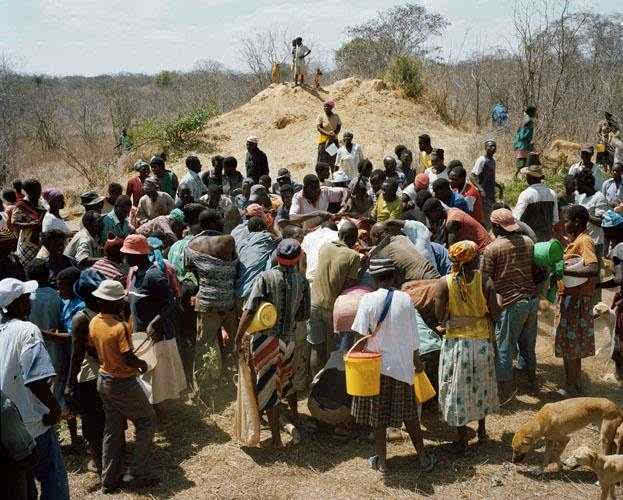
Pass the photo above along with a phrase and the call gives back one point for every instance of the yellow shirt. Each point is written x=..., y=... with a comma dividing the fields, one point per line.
x=327, y=123
x=473, y=311
x=112, y=339
x=424, y=162
x=384, y=210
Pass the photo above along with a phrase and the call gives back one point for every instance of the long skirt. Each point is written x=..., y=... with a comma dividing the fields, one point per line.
x=323, y=156
x=468, y=388
x=575, y=334
x=273, y=365
x=394, y=405
x=167, y=380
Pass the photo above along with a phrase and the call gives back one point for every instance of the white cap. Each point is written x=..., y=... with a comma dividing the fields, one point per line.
x=11, y=289
x=110, y=290
x=253, y=139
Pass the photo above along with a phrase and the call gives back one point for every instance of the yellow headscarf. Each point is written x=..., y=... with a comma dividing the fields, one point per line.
x=461, y=253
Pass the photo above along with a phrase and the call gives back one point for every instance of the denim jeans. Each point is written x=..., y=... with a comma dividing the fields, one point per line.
x=50, y=469
x=60, y=354
x=517, y=330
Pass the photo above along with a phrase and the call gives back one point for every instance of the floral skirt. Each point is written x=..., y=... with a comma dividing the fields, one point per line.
x=468, y=389
x=575, y=334
x=394, y=405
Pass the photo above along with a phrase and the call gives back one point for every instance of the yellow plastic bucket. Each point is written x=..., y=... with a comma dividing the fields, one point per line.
x=363, y=372
x=264, y=318
x=424, y=390
x=600, y=148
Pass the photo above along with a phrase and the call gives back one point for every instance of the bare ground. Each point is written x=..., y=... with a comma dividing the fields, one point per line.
x=196, y=457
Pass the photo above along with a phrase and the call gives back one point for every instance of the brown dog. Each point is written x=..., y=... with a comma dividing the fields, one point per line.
x=609, y=469
x=275, y=73
x=555, y=421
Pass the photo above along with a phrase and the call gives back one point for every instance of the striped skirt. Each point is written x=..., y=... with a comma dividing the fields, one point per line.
x=273, y=364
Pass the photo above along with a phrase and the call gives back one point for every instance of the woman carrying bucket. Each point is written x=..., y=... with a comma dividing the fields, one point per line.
x=466, y=303
x=389, y=317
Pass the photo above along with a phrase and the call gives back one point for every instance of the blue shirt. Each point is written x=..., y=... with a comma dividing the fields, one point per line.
x=442, y=259
x=458, y=201
x=254, y=252
x=70, y=308
x=46, y=306
x=111, y=224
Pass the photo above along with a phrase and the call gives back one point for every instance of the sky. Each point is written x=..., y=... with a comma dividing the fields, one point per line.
x=91, y=37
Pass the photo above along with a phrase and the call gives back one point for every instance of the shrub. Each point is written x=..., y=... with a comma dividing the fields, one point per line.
x=406, y=73
x=177, y=135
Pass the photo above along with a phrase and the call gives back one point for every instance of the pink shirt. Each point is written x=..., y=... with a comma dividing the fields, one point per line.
x=302, y=206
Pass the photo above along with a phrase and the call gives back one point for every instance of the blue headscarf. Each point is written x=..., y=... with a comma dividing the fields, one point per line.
x=155, y=256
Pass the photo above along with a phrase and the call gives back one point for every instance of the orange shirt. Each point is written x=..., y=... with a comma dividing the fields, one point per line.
x=471, y=193
x=112, y=339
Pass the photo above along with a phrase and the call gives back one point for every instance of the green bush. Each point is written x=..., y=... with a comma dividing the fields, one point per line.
x=177, y=135
x=406, y=73
x=555, y=173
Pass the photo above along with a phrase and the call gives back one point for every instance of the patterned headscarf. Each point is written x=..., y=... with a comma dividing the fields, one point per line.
x=460, y=254
x=330, y=103
x=177, y=215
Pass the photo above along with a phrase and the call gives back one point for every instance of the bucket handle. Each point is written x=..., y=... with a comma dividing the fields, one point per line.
x=357, y=343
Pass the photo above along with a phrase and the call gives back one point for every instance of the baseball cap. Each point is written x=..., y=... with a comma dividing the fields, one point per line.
x=110, y=290
x=11, y=289
x=504, y=217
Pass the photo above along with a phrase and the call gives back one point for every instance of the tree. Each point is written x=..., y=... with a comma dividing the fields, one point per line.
x=12, y=103
x=261, y=50
x=401, y=31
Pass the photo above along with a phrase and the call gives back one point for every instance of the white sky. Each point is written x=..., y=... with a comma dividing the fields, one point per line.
x=92, y=37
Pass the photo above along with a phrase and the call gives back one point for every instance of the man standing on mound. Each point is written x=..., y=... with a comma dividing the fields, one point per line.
x=299, y=53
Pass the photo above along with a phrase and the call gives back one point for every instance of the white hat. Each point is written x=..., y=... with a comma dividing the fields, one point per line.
x=11, y=289
x=340, y=176
x=253, y=139
x=110, y=290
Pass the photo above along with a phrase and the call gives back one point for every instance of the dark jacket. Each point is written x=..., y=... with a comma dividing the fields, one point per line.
x=256, y=164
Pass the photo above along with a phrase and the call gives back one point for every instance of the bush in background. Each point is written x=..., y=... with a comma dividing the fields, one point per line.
x=406, y=73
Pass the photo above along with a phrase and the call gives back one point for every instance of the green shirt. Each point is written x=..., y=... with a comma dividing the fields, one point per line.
x=176, y=258
x=111, y=224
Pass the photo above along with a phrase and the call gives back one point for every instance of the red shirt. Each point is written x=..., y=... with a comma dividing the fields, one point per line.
x=135, y=189
x=474, y=197
x=470, y=228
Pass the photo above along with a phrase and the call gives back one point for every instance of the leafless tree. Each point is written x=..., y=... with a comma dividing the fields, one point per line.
x=261, y=50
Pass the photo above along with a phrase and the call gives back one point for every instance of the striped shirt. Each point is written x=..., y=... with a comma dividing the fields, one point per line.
x=111, y=270
x=508, y=262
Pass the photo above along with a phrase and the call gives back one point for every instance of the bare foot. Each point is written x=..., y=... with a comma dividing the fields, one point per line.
x=552, y=468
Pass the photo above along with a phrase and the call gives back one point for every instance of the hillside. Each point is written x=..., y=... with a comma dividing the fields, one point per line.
x=284, y=118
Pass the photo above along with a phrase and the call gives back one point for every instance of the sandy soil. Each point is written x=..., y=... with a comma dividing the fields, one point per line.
x=196, y=458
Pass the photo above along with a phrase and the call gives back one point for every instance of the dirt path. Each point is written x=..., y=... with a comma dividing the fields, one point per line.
x=196, y=457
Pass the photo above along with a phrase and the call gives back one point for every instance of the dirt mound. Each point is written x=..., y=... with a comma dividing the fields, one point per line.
x=284, y=118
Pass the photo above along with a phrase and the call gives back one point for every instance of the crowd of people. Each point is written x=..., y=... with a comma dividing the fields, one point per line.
x=156, y=290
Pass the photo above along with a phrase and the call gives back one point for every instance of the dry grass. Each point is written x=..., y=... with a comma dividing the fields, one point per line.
x=196, y=457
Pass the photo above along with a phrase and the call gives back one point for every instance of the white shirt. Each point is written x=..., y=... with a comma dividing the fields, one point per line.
x=193, y=181
x=597, y=170
x=398, y=336
x=613, y=194
x=311, y=246
x=51, y=222
x=410, y=192
x=597, y=206
x=19, y=342
x=536, y=193
x=348, y=162
x=433, y=176
x=302, y=206
x=420, y=236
